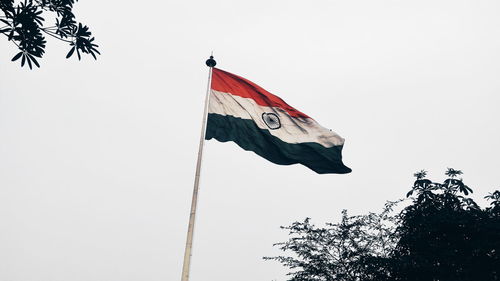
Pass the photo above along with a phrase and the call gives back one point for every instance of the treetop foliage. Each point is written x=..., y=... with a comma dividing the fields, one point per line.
x=442, y=235
x=24, y=27
x=339, y=251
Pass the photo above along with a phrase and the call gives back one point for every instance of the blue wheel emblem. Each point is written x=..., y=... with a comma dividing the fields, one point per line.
x=272, y=120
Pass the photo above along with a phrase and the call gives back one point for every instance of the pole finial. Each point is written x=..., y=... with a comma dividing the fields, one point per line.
x=211, y=62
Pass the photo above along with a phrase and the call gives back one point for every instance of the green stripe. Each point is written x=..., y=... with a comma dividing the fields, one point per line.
x=248, y=136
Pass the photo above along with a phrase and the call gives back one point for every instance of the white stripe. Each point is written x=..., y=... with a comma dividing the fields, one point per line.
x=292, y=130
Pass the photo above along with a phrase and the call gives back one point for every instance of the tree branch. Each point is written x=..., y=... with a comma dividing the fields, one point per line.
x=56, y=36
x=12, y=41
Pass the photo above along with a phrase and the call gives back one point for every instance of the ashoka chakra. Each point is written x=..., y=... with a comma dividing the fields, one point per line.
x=272, y=120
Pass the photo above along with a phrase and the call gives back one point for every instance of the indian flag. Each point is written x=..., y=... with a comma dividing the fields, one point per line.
x=243, y=112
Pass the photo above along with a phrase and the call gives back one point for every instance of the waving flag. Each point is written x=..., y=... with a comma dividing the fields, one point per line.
x=241, y=111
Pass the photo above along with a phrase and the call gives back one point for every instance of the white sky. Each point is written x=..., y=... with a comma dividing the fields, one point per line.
x=97, y=158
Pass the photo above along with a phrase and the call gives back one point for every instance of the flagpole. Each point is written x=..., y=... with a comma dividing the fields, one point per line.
x=194, y=201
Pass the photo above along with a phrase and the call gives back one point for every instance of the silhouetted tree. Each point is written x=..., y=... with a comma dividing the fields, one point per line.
x=442, y=235
x=23, y=26
x=357, y=248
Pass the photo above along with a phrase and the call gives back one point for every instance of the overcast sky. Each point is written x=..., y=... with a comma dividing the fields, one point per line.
x=97, y=158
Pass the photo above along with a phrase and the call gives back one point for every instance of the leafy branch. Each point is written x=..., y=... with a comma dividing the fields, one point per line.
x=24, y=28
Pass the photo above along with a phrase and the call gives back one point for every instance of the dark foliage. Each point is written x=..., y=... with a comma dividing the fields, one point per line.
x=355, y=249
x=23, y=26
x=442, y=235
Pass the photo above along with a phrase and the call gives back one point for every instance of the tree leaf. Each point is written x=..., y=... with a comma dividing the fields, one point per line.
x=16, y=57
x=29, y=62
x=70, y=53
x=34, y=61
x=409, y=193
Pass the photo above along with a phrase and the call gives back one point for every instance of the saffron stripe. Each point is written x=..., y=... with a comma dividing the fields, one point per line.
x=226, y=82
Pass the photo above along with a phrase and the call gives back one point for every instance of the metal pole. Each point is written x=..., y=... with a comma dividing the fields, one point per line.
x=192, y=215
